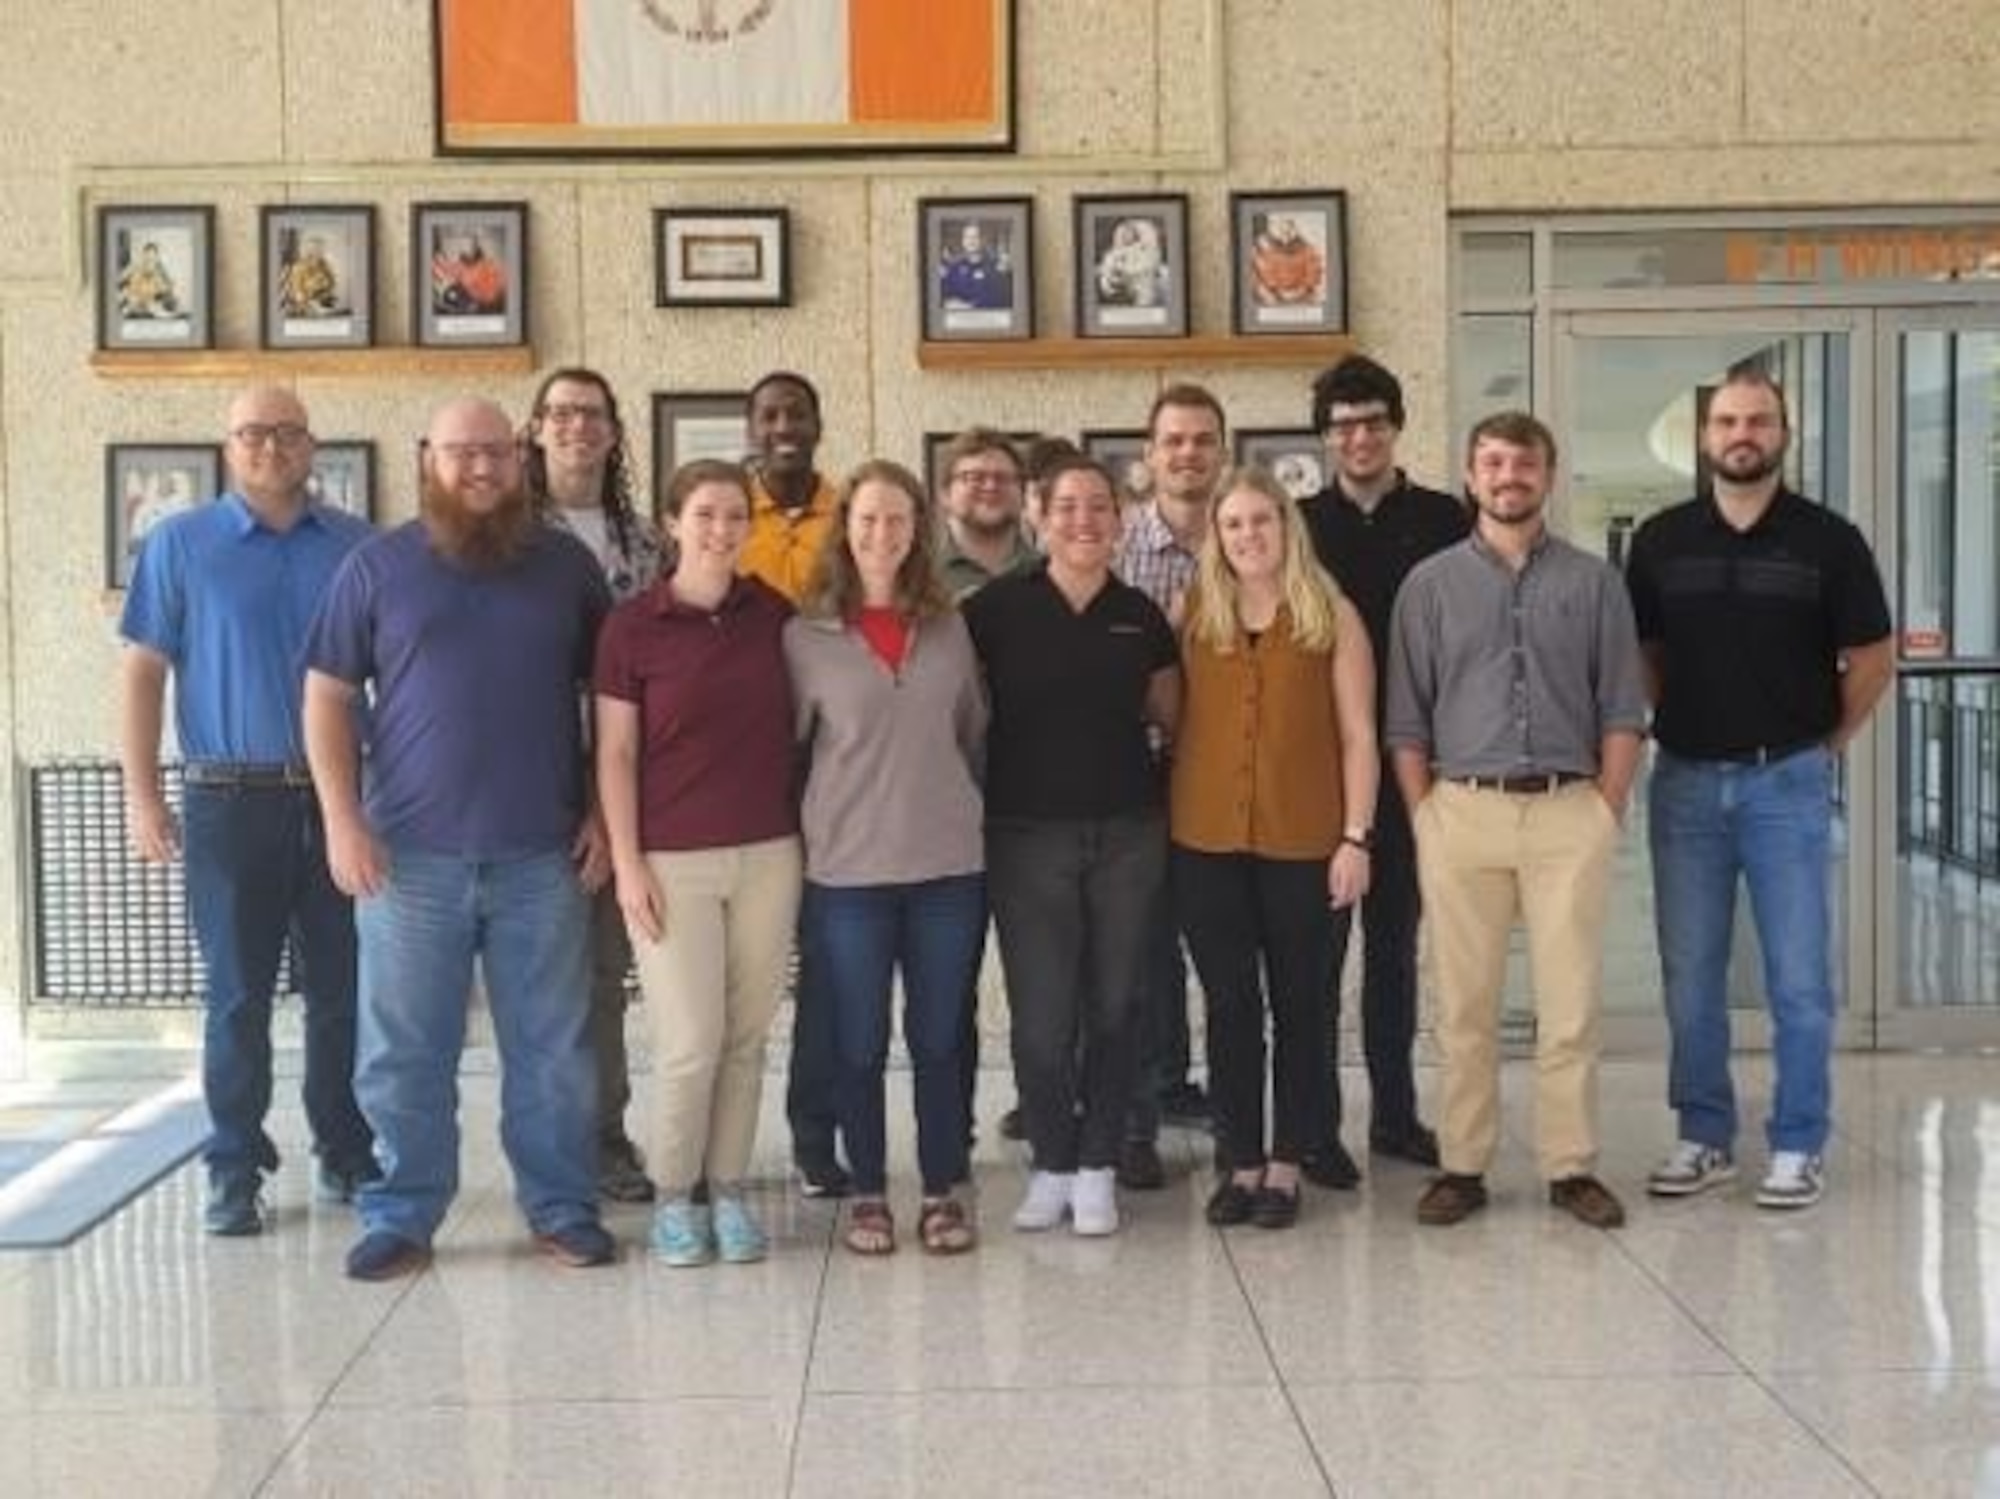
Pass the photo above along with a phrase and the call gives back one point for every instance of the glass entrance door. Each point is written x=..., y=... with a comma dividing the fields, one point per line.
x=1938, y=884
x=1630, y=390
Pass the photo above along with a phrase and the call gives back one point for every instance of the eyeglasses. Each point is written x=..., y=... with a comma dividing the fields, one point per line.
x=472, y=452
x=562, y=413
x=1000, y=478
x=284, y=434
x=1355, y=426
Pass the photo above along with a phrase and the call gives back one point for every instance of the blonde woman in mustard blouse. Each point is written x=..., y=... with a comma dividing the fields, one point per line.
x=1274, y=781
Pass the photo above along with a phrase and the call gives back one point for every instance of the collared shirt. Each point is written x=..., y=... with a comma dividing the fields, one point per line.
x=783, y=544
x=1151, y=558
x=1751, y=624
x=228, y=602
x=1371, y=552
x=965, y=575
x=1499, y=672
x=715, y=714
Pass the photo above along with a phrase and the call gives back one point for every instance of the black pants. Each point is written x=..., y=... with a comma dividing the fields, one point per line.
x=1262, y=936
x=1070, y=900
x=1389, y=915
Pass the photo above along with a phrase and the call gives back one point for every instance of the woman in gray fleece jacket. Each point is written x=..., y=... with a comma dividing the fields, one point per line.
x=892, y=722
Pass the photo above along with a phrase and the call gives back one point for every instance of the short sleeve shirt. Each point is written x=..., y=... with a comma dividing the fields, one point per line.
x=1750, y=625
x=1067, y=738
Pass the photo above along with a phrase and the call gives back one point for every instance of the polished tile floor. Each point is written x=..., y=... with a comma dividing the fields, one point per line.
x=1706, y=1350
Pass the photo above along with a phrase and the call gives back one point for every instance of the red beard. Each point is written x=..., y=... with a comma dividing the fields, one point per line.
x=479, y=540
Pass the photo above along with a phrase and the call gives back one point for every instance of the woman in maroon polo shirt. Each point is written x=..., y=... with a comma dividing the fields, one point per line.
x=694, y=765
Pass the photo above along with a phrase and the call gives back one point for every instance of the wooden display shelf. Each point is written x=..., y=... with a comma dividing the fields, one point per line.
x=1274, y=351
x=282, y=364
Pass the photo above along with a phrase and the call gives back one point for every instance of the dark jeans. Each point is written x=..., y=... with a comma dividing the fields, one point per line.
x=812, y=1103
x=256, y=873
x=1162, y=1018
x=1389, y=915
x=1262, y=936
x=858, y=937
x=1071, y=901
x=610, y=963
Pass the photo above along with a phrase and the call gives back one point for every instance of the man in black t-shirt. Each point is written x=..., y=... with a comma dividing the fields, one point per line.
x=1767, y=641
x=1370, y=526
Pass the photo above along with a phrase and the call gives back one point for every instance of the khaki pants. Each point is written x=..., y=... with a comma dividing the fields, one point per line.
x=712, y=983
x=1484, y=858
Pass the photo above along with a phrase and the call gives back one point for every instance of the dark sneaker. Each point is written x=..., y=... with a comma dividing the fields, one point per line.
x=1331, y=1167
x=1275, y=1207
x=1186, y=1105
x=824, y=1179
x=1587, y=1200
x=1417, y=1143
x=337, y=1184
x=1796, y=1180
x=1012, y=1126
x=621, y=1172
x=1230, y=1204
x=235, y=1208
x=1140, y=1168
x=385, y=1256
x=1450, y=1199
x=1693, y=1167
x=579, y=1246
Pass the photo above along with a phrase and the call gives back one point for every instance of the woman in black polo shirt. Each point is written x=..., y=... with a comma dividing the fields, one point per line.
x=1077, y=663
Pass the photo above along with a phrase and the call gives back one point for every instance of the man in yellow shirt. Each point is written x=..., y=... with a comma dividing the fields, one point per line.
x=791, y=505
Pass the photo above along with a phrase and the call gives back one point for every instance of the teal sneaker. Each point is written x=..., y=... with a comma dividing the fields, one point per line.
x=738, y=1239
x=681, y=1234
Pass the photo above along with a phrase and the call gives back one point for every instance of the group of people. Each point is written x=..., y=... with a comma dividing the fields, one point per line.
x=817, y=735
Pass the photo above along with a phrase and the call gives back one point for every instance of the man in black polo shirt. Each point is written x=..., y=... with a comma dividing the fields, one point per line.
x=1370, y=526
x=1766, y=635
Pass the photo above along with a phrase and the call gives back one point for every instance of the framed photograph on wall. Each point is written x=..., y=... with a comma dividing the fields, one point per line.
x=722, y=257
x=155, y=277
x=707, y=77
x=1132, y=266
x=1295, y=457
x=318, y=276
x=469, y=274
x=343, y=476
x=977, y=257
x=1122, y=450
x=144, y=483
x=696, y=424
x=1288, y=262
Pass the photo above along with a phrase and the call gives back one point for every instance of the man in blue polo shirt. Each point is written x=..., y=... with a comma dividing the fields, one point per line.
x=1767, y=639
x=474, y=627
x=220, y=601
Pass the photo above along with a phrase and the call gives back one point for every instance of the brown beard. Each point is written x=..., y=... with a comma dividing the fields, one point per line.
x=476, y=540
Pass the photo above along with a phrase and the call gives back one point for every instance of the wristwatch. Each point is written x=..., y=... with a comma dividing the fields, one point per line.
x=1361, y=838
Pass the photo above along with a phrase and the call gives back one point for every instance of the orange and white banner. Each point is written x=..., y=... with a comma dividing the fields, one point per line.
x=723, y=73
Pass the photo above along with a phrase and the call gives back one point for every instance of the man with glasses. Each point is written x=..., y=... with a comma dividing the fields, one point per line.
x=580, y=476
x=1370, y=527
x=472, y=630
x=984, y=539
x=221, y=600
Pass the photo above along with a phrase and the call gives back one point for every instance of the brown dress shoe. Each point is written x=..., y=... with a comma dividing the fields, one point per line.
x=1450, y=1199
x=1588, y=1200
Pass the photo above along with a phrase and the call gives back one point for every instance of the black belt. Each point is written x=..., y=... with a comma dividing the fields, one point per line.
x=1763, y=754
x=238, y=775
x=1523, y=785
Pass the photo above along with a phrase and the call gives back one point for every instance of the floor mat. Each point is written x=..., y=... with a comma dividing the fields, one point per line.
x=71, y=1190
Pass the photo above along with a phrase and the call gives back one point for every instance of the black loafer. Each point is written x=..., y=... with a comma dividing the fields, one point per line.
x=1275, y=1207
x=1417, y=1144
x=1140, y=1168
x=1331, y=1167
x=1230, y=1204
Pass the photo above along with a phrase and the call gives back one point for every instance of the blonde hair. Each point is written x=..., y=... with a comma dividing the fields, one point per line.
x=1309, y=593
x=834, y=589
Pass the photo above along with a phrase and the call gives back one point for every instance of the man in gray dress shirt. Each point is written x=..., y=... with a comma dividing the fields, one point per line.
x=1516, y=708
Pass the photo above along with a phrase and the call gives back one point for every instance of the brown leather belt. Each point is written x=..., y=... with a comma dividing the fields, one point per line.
x=1523, y=785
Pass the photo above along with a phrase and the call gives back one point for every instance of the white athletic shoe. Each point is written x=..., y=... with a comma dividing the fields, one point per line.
x=1047, y=1202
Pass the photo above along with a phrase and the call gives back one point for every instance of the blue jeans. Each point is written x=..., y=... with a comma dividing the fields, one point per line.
x=528, y=922
x=256, y=873
x=1770, y=824
x=856, y=938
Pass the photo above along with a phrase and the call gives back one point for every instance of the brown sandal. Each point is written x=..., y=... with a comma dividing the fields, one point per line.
x=871, y=1228
x=943, y=1227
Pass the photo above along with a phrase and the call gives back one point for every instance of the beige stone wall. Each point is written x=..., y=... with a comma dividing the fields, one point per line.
x=1418, y=108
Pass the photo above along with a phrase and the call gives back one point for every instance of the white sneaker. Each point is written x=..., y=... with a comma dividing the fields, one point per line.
x=1692, y=1168
x=1047, y=1202
x=1093, y=1210
x=1795, y=1180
